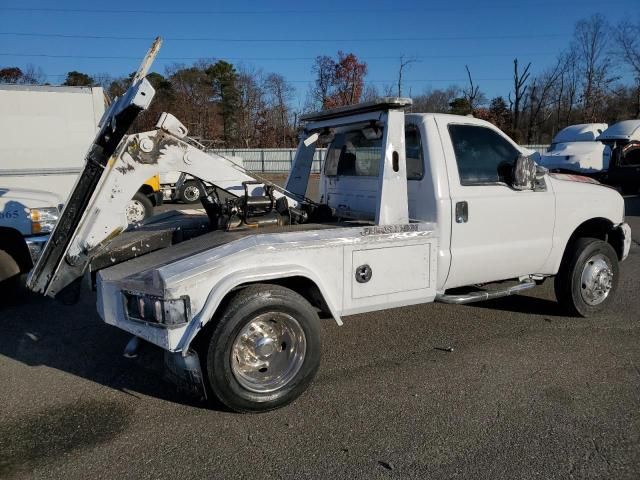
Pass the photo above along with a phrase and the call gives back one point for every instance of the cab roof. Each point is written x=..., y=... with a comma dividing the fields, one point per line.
x=583, y=132
x=384, y=103
x=625, y=130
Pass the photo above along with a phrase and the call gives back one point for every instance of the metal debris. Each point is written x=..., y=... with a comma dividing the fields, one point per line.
x=444, y=349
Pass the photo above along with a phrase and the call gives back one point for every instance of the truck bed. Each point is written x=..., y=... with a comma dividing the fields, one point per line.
x=174, y=237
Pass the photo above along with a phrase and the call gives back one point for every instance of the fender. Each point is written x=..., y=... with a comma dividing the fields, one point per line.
x=595, y=226
x=594, y=208
x=220, y=290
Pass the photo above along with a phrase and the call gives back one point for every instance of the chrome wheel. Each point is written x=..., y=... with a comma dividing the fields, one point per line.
x=191, y=193
x=596, y=280
x=268, y=352
x=135, y=211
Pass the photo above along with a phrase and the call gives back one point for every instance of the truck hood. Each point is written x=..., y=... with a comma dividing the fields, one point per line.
x=586, y=197
x=29, y=198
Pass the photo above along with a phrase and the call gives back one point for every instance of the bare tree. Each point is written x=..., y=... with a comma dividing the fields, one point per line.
x=324, y=69
x=627, y=40
x=279, y=94
x=103, y=80
x=404, y=62
x=435, y=100
x=251, y=115
x=370, y=93
x=472, y=93
x=520, y=86
x=591, y=40
x=33, y=75
x=541, y=98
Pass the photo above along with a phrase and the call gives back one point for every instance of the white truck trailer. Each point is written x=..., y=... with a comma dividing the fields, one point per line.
x=46, y=130
x=413, y=207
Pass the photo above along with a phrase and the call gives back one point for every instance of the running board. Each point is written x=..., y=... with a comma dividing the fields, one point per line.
x=485, y=295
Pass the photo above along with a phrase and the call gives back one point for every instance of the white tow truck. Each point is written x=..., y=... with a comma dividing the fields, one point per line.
x=414, y=208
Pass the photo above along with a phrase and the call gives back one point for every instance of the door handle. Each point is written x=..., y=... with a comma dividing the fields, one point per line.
x=462, y=212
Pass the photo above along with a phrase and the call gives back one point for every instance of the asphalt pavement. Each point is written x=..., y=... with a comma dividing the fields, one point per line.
x=525, y=393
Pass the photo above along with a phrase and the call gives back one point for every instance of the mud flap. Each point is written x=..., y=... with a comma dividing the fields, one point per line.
x=184, y=371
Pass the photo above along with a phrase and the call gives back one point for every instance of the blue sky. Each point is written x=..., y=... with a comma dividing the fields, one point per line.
x=443, y=36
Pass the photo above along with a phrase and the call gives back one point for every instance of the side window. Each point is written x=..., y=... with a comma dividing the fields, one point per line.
x=415, y=157
x=482, y=155
x=630, y=156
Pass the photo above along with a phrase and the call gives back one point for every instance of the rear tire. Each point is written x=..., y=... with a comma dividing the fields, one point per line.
x=139, y=208
x=189, y=192
x=264, y=350
x=588, y=278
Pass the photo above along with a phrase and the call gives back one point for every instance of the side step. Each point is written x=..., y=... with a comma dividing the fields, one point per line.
x=479, y=296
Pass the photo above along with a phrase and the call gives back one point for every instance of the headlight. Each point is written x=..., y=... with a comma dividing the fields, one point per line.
x=149, y=308
x=43, y=219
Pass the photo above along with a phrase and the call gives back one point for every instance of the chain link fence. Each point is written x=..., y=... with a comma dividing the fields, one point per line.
x=270, y=160
x=279, y=160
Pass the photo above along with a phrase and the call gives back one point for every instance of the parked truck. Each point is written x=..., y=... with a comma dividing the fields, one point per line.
x=623, y=139
x=414, y=208
x=46, y=131
x=183, y=188
x=27, y=217
x=575, y=149
x=609, y=154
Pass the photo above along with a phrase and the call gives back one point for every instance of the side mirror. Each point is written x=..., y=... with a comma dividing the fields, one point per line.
x=524, y=173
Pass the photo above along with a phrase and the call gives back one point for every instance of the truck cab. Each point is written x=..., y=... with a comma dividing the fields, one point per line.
x=623, y=138
x=459, y=174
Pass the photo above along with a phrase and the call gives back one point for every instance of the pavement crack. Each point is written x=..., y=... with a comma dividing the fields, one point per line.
x=599, y=453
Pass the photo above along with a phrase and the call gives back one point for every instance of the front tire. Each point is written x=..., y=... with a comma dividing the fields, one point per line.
x=265, y=349
x=588, y=277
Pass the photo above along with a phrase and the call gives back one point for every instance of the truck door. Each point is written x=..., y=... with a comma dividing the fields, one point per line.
x=624, y=171
x=497, y=232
